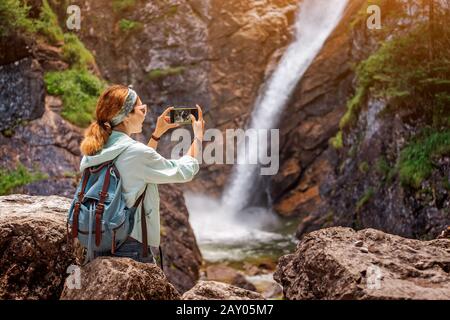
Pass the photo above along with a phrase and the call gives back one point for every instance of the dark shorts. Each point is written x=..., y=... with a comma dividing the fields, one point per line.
x=131, y=248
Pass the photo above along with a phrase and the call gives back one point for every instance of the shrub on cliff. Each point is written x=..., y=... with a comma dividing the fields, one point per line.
x=14, y=17
x=79, y=90
x=47, y=24
x=20, y=176
x=405, y=73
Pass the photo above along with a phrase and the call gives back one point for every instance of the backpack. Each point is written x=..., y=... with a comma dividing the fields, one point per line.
x=98, y=215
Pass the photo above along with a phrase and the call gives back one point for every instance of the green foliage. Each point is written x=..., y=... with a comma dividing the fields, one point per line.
x=14, y=17
x=409, y=71
x=385, y=170
x=337, y=141
x=363, y=167
x=415, y=163
x=20, y=176
x=364, y=199
x=353, y=106
x=156, y=74
x=122, y=5
x=129, y=25
x=79, y=90
x=382, y=166
x=48, y=25
x=75, y=53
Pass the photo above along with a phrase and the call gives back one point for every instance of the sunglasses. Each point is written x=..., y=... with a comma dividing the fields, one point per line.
x=143, y=108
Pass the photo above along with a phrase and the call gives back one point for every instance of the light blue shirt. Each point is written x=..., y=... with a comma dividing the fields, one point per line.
x=140, y=166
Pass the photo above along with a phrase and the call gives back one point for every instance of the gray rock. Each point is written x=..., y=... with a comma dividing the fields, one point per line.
x=33, y=247
x=107, y=278
x=327, y=265
x=213, y=290
x=22, y=92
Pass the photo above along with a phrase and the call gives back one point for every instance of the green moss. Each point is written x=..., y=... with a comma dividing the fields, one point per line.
x=48, y=25
x=156, y=74
x=75, y=53
x=363, y=167
x=382, y=166
x=129, y=25
x=364, y=199
x=79, y=91
x=415, y=163
x=20, y=176
x=407, y=73
x=353, y=107
x=122, y=5
x=337, y=141
x=14, y=17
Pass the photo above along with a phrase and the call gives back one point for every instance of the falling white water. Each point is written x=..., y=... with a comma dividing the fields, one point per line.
x=226, y=229
x=315, y=21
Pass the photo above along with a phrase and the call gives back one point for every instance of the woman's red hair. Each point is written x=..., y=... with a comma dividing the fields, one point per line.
x=108, y=105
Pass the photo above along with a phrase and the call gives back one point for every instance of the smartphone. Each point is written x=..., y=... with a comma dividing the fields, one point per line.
x=182, y=115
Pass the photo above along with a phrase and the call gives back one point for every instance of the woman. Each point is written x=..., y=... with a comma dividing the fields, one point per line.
x=120, y=113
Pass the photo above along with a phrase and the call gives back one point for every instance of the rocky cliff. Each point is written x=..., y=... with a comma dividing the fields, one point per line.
x=363, y=150
x=389, y=159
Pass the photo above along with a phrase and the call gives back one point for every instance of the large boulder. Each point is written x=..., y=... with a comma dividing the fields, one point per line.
x=33, y=247
x=340, y=263
x=107, y=278
x=213, y=290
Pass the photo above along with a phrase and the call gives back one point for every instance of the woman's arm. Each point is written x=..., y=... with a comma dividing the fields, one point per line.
x=162, y=125
x=152, y=143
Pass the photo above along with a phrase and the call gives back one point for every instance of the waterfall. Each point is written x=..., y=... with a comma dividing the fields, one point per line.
x=315, y=21
x=222, y=228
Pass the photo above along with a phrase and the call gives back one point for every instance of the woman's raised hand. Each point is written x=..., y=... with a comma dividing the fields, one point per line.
x=198, y=125
x=163, y=123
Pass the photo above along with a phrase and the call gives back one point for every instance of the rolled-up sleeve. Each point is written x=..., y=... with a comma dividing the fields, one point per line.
x=158, y=169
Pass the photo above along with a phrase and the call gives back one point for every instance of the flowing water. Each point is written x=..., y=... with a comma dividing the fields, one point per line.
x=233, y=228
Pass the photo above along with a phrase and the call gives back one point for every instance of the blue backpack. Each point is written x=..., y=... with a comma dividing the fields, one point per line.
x=98, y=215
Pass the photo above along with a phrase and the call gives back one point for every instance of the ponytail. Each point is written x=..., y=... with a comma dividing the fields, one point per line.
x=95, y=138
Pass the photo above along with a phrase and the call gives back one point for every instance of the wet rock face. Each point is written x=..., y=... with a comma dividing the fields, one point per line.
x=22, y=92
x=33, y=247
x=213, y=290
x=363, y=187
x=340, y=263
x=107, y=278
x=389, y=206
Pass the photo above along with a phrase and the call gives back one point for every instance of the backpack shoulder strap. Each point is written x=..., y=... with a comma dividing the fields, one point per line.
x=143, y=222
